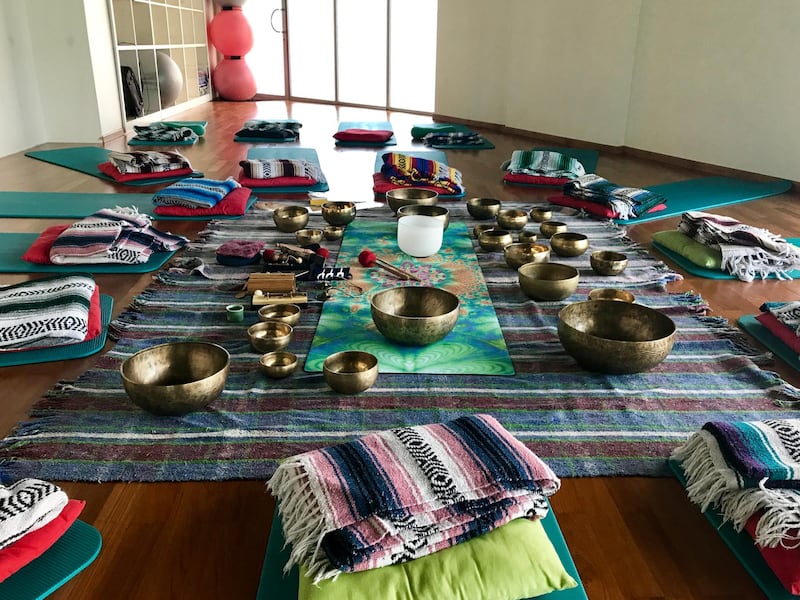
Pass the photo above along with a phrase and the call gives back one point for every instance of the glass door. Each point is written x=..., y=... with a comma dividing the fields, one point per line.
x=266, y=59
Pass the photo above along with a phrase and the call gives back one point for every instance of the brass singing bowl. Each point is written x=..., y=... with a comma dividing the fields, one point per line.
x=540, y=215
x=494, y=240
x=338, y=213
x=479, y=229
x=548, y=281
x=333, y=232
x=526, y=236
x=290, y=218
x=278, y=364
x=175, y=378
x=267, y=336
x=287, y=313
x=405, y=196
x=608, y=262
x=351, y=371
x=615, y=337
x=611, y=294
x=549, y=228
x=414, y=316
x=512, y=219
x=483, y=208
x=569, y=244
x=521, y=253
x=428, y=210
x=308, y=236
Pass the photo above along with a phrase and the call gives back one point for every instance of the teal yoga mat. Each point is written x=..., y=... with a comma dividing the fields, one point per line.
x=85, y=159
x=14, y=245
x=707, y=273
x=437, y=155
x=275, y=583
x=708, y=192
x=79, y=350
x=743, y=548
x=290, y=153
x=588, y=157
x=366, y=125
x=71, y=554
x=770, y=340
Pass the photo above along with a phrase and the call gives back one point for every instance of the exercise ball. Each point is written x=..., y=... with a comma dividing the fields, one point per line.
x=170, y=79
x=224, y=3
x=230, y=32
x=233, y=79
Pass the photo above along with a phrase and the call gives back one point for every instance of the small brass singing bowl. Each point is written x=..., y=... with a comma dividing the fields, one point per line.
x=526, y=236
x=522, y=253
x=286, y=313
x=608, y=262
x=308, y=236
x=350, y=371
x=512, y=219
x=414, y=316
x=494, y=240
x=268, y=336
x=278, y=364
x=549, y=228
x=290, y=218
x=175, y=378
x=483, y=208
x=540, y=215
x=404, y=196
x=338, y=213
x=333, y=232
x=569, y=243
x=436, y=211
x=615, y=337
x=611, y=294
x=479, y=229
x=548, y=281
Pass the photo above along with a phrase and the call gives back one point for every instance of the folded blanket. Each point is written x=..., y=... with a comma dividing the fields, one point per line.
x=779, y=330
x=788, y=313
x=594, y=208
x=276, y=182
x=544, y=162
x=743, y=467
x=195, y=192
x=525, y=179
x=454, y=138
x=396, y=495
x=364, y=135
x=148, y=161
x=747, y=252
x=271, y=168
x=233, y=204
x=627, y=202
x=26, y=506
x=109, y=169
x=410, y=170
x=163, y=132
x=381, y=185
x=280, y=130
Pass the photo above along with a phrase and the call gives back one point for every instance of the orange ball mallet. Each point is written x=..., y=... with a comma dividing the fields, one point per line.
x=367, y=258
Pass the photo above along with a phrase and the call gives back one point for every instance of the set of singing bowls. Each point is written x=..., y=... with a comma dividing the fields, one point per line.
x=483, y=208
x=611, y=294
x=427, y=210
x=278, y=364
x=176, y=378
x=539, y=215
x=270, y=335
x=287, y=313
x=414, y=316
x=308, y=236
x=494, y=240
x=410, y=195
x=350, y=371
x=338, y=213
x=615, y=337
x=569, y=243
x=550, y=228
x=608, y=262
x=521, y=253
x=548, y=281
x=333, y=232
x=290, y=218
x=512, y=219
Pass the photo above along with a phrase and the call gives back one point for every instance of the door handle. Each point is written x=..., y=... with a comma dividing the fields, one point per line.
x=271, y=20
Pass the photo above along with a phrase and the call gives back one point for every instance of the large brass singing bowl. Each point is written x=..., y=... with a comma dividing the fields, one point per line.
x=414, y=316
x=338, y=213
x=428, y=210
x=403, y=196
x=615, y=337
x=175, y=378
x=548, y=281
x=351, y=371
x=290, y=218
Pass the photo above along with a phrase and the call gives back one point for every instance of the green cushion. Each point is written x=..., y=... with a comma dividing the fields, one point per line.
x=514, y=561
x=680, y=243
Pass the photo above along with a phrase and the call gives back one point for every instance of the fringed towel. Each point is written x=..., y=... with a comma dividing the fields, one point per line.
x=454, y=138
x=544, y=163
x=26, y=506
x=195, y=193
x=396, y=495
x=148, y=162
x=627, y=202
x=272, y=168
x=747, y=252
x=744, y=467
x=406, y=170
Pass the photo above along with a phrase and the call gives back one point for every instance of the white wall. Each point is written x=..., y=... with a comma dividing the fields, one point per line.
x=104, y=66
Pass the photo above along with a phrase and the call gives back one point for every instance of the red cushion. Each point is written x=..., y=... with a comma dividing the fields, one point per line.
x=39, y=250
x=524, y=178
x=594, y=208
x=34, y=544
x=364, y=135
x=109, y=169
x=234, y=203
x=783, y=332
x=784, y=562
x=276, y=181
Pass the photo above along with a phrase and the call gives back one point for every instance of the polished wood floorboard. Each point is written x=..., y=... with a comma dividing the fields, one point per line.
x=631, y=537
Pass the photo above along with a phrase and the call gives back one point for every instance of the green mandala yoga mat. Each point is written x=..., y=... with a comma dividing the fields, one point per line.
x=71, y=554
x=288, y=153
x=708, y=192
x=373, y=125
x=14, y=245
x=275, y=583
x=475, y=346
x=85, y=159
x=437, y=155
x=742, y=546
x=773, y=343
x=79, y=350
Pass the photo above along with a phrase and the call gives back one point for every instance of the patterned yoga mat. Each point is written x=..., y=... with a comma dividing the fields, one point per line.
x=580, y=423
x=475, y=346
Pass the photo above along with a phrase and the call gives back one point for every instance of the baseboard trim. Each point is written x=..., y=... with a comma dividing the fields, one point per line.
x=112, y=137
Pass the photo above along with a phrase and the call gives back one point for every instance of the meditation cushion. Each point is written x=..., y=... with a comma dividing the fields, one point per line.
x=784, y=562
x=682, y=244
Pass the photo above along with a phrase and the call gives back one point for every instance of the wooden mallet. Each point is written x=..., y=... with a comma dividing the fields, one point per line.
x=367, y=258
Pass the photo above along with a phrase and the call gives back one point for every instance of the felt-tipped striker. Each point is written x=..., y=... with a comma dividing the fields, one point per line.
x=367, y=258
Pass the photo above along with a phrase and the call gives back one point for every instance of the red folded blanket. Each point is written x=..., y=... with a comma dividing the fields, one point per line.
x=233, y=204
x=364, y=135
x=109, y=169
x=594, y=208
x=381, y=185
x=275, y=181
x=783, y=562
x=523, y=178
x=780, y=330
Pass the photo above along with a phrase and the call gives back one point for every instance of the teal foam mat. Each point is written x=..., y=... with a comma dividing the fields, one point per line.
x=366, y=125
x=708, y=192
x=705, y=272
x=437, y=155
x=85, y=159
x=79, y=350
x=743, y=548
x=770, y=340
x=290, y=153
x=275, y=583
x=588, y=157
x=71, y=554
x=14, y=245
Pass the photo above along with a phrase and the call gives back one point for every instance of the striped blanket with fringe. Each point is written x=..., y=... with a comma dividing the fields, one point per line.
x=404, y=169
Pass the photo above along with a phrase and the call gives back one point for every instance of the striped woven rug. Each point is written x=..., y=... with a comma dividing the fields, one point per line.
x=582, y=424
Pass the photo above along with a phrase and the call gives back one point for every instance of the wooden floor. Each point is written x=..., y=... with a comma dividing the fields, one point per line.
x=630, y=537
